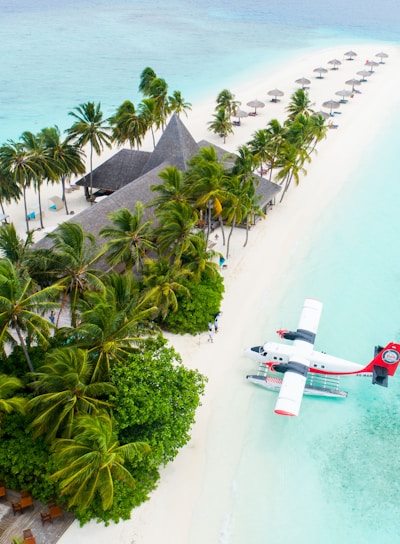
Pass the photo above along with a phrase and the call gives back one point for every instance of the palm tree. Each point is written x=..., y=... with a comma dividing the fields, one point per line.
x=158, y=91
x=128, y=125
x=130, y=239
x=63, y=390
x=148, y=113
x=221, y=124
x=244, y=162
x=260, y=146
x=68, y=158
x=21, y=165
x=44, y=164
x=173, y=189
x=8, y=402
x=89, y=128
x=75, y=254
x=14, y=248
x=205, y=178
x=92, y=460
x=198, y=260
x=110, y=331
x=292, y=165
x=300, y=103
x=162, y=281
x=226, y=101
x=146, y=78
x=177, y=104
x=9, y=188
x=22, y=308
x=276, y=135
x=175, y=232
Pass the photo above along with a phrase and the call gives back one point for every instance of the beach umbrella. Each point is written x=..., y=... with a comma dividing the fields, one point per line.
x=343, y=93
x=320, y=71
x=322, y=114
x=255, y=104
x=240, y=114
x=303, y=81
x=353, y=82
x=364, y=74
x=382, y=56
x=331, y=105
x=350, y=55
x=371, y=64
x=275, y=93
x=335, y=63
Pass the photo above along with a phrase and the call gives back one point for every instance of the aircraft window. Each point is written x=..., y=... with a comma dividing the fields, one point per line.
x=280, y=358
x=275, y=358
x=264, y=353
x=315, y=366
x=322, y=366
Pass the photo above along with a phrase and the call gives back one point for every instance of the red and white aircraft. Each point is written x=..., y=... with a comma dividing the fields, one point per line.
x=299, y=361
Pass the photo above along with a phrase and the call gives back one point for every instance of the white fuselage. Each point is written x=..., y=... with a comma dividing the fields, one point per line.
x=275, y=353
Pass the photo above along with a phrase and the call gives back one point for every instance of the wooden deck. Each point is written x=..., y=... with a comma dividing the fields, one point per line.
x=13, y=526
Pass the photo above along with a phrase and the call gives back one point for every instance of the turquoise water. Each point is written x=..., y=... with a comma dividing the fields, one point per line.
x=57, y=54
x=331, y=475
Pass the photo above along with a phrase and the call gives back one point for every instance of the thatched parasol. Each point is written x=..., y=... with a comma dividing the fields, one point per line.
x=275, y=93
x=382, y=56
x=335, y=63
x=320, y=71
x=255, y=104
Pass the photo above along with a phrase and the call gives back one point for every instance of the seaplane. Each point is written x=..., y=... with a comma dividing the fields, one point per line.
x=297, y=369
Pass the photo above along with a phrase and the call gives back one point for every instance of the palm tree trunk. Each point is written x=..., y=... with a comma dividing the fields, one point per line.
x=40, y=207
x=247, y=233
x=221, y=224
x=26, y=210
x=288, y=180
x=229, y=237
x=64, y=196
x=24, y=348
x=91, y=173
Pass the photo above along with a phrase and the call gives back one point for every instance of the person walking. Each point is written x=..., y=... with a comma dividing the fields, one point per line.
x=216, y=321
x=52, y=317
x=210, y=332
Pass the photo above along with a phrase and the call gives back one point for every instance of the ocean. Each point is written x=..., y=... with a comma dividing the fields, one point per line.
x=331, y=475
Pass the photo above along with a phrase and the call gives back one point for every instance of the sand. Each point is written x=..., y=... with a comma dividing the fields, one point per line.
x=194, y=494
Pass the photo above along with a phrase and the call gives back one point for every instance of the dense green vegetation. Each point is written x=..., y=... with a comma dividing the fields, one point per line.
x=91, y=409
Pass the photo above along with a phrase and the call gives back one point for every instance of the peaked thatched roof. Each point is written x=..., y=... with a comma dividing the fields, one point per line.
x=176, y=146
x=116, y=172
x=267, y=191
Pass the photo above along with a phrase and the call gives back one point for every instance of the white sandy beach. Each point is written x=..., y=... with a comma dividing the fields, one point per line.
x=195, y=491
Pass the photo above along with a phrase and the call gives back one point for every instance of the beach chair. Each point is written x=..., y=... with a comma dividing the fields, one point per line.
x=56, y=203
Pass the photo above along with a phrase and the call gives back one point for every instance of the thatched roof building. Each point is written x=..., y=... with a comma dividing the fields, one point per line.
x=129, y=174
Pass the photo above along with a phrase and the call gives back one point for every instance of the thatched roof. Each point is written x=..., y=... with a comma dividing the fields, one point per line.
x=267, y=191
x=176, y=146
x=118, y=171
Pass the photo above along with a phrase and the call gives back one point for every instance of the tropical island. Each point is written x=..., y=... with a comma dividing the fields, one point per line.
x=120, y=372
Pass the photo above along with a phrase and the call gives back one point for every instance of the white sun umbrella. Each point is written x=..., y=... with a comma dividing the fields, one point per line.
x=363, y=74
x=275, y=93
x=353, y=82
x=303, y=81
x=371, y=64
x=382, y=56
x=320, y=71
x=331, y=105
x=350, y=55
x=335, y=63
x=240, y=114
x=322, y=114
x=344, y=93
x=255, y=104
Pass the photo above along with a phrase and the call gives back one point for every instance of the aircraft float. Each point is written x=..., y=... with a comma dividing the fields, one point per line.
x=310, y=372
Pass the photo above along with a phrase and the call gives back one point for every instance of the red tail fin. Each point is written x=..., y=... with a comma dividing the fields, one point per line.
x=384, y=364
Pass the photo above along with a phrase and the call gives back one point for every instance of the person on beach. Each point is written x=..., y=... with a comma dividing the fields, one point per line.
x=210, y=332
x=52, y=317
x=216, y=320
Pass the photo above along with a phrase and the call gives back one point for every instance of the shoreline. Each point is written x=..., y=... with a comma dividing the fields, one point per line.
x=207, y=464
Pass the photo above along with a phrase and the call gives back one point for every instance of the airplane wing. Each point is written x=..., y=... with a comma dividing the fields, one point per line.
x=294, y=380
